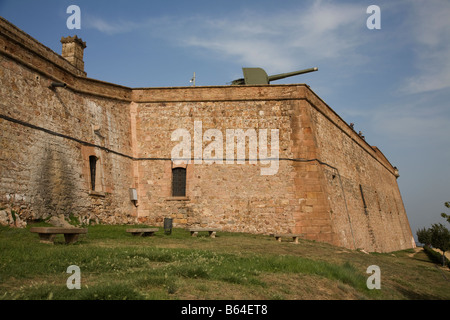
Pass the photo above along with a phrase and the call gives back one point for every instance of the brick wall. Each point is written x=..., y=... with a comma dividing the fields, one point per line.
x=44, y=158
x=233, y=197
x=364, y=201
x=316, y=191
x=330, y=185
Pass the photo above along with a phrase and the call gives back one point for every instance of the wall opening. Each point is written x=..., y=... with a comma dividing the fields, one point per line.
x=178, y=182
x=93, y=170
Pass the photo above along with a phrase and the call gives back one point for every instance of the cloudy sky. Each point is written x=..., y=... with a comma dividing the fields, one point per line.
x=393, y=83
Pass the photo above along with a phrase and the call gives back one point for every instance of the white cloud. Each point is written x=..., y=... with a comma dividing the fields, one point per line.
x=430, y=37
x=110, y=28
x=278, y=41
x=283, y=40
x=415, y=121
x=319, y=33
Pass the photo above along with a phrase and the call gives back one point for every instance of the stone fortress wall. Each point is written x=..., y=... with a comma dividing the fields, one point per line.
x=330, y=185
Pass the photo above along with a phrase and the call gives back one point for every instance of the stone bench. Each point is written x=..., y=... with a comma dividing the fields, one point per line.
x=145, y=232
x=47, y=234
x=287, y=235
x=194, y=231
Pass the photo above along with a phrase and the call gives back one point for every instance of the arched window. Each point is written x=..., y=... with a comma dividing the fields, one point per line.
x=178, y=182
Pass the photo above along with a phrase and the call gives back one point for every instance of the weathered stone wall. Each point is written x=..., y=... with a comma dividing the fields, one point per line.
x=44, y=160
x=233, y=197
x=316, y=191
x=330, y=185
x=364, y=202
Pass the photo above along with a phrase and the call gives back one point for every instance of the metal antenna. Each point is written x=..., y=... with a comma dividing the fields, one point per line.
x=193, y=80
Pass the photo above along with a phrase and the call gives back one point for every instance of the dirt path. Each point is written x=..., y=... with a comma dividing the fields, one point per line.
x=416, y=250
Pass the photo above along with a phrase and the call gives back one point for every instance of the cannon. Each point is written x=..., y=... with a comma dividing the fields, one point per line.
x=259, y=76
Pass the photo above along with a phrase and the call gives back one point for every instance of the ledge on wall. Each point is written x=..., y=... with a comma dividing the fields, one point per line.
x=97, y=193
x=177, y=199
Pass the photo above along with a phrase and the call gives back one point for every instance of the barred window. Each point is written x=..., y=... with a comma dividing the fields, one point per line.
x=178, y=182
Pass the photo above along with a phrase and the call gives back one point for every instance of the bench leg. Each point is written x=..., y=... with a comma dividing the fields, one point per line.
x=147, y=234
x=278, y=239
x=212, y=234
x=71, y=237
x=194, y=233
x=46, y=238
x=295, y=239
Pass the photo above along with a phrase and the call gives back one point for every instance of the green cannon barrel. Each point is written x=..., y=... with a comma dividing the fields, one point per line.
x=290, y=74
x=253, y=76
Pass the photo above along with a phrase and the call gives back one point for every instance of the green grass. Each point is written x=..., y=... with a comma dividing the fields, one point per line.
x=116, y=266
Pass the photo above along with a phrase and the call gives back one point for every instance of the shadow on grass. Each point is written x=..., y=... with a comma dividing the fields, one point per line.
x=414, y=295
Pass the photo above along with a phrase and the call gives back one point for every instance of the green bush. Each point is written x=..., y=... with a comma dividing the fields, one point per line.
x=434, y=256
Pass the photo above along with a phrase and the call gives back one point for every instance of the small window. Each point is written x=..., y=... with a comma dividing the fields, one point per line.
x=93, y=169
x=178, y=182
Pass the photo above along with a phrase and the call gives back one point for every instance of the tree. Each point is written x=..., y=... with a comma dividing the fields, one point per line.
x=446, y=216
x=440, y=238
x=424, y=236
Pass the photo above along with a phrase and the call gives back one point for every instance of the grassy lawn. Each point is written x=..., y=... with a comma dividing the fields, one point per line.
x=117, y=265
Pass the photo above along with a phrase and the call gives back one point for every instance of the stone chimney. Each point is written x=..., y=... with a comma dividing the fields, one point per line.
x=72, y=51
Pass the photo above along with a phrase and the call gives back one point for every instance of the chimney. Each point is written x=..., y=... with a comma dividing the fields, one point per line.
x=72, y=51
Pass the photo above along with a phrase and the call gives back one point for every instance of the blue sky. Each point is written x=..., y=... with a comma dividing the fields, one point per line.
x=393, y=83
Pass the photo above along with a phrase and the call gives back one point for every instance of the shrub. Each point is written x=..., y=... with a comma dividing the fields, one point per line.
x=435, y=256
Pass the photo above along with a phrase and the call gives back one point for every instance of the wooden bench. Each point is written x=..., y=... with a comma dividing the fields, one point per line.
x=145, y=232
x=293, y=236
x=47, y=234
x=195, y=231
